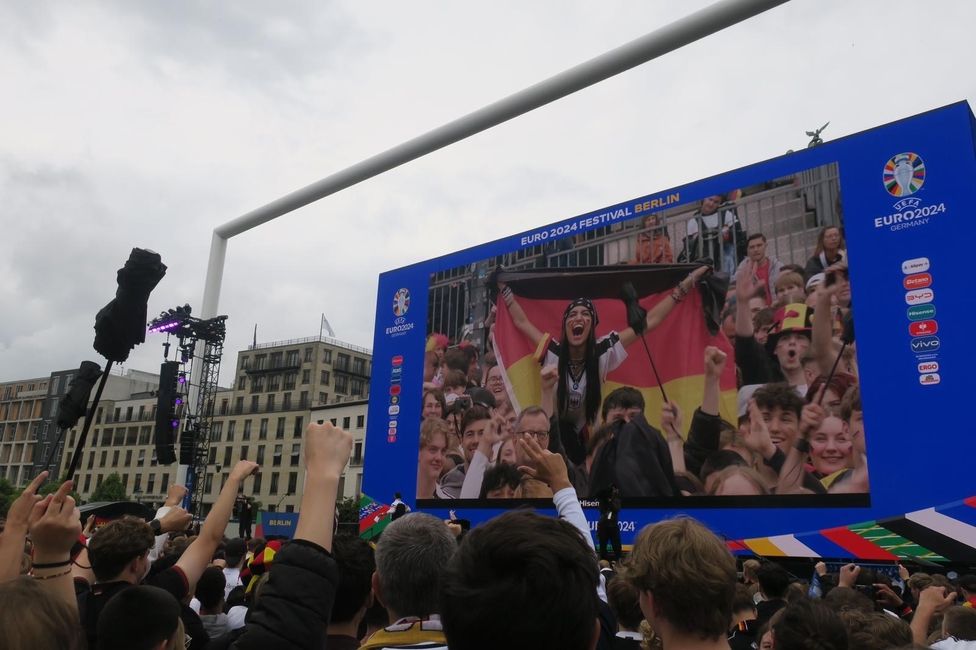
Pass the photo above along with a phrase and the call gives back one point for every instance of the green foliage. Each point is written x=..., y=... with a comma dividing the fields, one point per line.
x=348, y=511
x=8, y=494
x=52, y=486
x=111, y=489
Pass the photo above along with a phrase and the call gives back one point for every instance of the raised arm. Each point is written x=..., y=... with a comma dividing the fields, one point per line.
x=197, y=555
x=549, y=377
x=672, y=425
x=55, y=525
x=660, y=311
x=792, y=474
x=15, y=529
x=714, y=367
x=746, y=286
x=327, y=450
x=822, y=346
x=522, y=322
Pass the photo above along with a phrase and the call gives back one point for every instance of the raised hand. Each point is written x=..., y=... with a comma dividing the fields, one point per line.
x=812, y=416
x=18, y=514
x=672, y=420
x=544, y=465
x=243, y=469
x=175, y=495
x=746, y=283
x=756, y=436
x=175, y=520
x=55, y=524
x=714, y=361
x=327, y=448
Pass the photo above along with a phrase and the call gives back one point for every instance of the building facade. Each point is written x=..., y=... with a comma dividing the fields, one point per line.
x=262, y=418
x=21, y=412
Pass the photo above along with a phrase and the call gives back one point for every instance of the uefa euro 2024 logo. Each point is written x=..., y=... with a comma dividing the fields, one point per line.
x=401, y=302
x=904, y=174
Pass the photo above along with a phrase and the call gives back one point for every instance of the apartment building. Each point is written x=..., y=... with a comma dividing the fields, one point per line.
x=21, y=409
x=262, y=418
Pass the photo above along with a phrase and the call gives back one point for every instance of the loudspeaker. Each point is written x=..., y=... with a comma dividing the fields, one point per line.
x=167, y=421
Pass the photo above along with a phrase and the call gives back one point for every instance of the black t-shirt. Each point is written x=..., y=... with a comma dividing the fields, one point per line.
x=92, y=598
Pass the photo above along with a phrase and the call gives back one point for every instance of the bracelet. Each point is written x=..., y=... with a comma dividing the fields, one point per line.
x=53, y=575
x=51, y=565
x=507, y=295
x=802, y=445
x=676, y=296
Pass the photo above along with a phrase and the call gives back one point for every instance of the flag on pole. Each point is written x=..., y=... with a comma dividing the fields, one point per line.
x=373, y=517
x=677, y=345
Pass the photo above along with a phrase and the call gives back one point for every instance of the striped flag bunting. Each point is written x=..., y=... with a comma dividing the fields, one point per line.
x=940, y=534
x=373, y=517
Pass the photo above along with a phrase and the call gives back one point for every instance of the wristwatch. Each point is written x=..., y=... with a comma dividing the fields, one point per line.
x=157, y=528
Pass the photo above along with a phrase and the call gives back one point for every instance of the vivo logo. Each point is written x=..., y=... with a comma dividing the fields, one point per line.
x=916, y=265
x=919, y=296
x=928, y=366
x=925, y=344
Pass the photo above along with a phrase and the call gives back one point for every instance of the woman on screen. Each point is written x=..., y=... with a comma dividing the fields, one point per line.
x=583, y=360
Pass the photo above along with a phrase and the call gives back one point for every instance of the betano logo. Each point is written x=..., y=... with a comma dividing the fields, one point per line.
x=921, y=312
x=923, y=328
x=930, y=379
x=917, y=281
x=928, y=366
x=919, y=296
x=925, y=344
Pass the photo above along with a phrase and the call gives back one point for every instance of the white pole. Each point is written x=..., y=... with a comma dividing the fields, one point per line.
x=693, y=27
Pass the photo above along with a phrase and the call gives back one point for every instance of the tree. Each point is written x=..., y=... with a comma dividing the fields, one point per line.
x=348, y=511
x=7, y=496
x=51, y=486
x=111, y=489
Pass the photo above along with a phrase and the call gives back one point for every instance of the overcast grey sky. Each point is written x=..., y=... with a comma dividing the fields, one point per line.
x=147, y=124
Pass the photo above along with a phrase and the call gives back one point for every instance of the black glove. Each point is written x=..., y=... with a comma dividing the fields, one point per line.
x=636, y=315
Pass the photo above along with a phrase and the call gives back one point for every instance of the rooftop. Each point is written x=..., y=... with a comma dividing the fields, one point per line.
x=312, y=339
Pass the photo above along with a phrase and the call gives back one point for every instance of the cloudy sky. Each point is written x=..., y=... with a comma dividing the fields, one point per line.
x=147, y=124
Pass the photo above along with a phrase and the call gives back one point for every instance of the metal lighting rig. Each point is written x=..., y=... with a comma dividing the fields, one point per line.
x=198, y=342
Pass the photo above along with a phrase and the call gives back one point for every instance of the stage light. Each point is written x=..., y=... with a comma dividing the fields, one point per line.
x=182, y=378
x=175, y=423
x=178, y=401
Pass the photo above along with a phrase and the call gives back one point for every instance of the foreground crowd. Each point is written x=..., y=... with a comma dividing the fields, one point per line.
x=521, y=580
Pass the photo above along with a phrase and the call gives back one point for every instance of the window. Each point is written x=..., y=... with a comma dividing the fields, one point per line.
x=255, y=404
x=227, y=451
x=342, y=362
x=245, y=362
x=274, y=382
x=142, y=458
x=242, y=383
x=359, y=366
x=137, y=487
x=259, y=459
x=326, y=356
x=224, y=406
x=276, y=359
x=212, y=460
x=334, y=421
x=306, y=376
x=128, y=414
x=208, y=486
x=357, y=386
x=280, y=429
x=303, y=400
x=286, y=402
x=247, y=430
x=115, y=458
x=256, y=485
x=292, y=482
x=230, y=430
x=128, y=457
x=345, y=422
x=118, y=414
x=263, y=431
x=216, y=432
x=145, y=434
x=164, y=487
x=274, y=484
x=308, y=355
x=299, y=421
x=142, y=412
x=103, y=461
x=342, y=384
x=291, y=359
x=119, y=437
x=290, y=379
x=257, y=384
x=132, y=436
x=276, y=457
x=296, y=450
x=91, y=459
x=259, y=361
x=323, y=398
x=151, y=484
x=244, y=450
x=357, y=454
x=270, y=403
x=289, y=508
x=360, y=421
x=325, y=376
x=125, y=481
x=87, y=483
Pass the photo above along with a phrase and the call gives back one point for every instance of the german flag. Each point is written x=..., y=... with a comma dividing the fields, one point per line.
x=677, y=345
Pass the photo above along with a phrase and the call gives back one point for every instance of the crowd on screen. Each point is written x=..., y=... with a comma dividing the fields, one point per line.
x=798, y=429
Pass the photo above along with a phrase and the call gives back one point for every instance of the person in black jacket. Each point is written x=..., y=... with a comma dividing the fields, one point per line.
x=296, y=602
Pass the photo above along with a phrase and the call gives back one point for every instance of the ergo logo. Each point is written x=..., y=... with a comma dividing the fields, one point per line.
x=928, y=366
